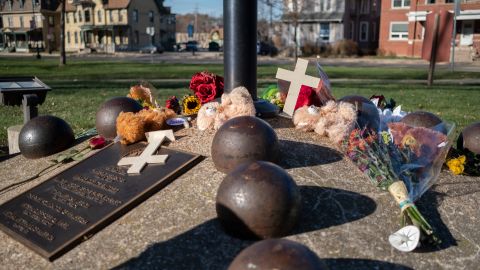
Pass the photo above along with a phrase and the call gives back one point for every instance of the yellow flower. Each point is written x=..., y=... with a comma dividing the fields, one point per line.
x=456, y=165
x=409, y=140
x=191, y=105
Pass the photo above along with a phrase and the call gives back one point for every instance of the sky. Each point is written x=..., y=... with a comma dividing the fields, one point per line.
x=210, y=7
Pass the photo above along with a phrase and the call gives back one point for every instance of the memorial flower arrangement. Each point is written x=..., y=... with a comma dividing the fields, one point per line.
x=142, y=93
x=274, y=96
x=206, y=86
x=389, y=112
x=405, y=161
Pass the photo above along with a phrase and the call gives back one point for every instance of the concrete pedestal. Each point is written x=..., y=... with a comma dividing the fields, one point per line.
x=13, y=133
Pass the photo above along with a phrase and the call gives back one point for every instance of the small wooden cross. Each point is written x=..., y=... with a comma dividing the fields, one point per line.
x=155, y=140
x=297, y=78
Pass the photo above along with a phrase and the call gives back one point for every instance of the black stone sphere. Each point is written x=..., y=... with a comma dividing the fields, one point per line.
x=258, y=200
x=277, y=254
x=426, y=120
x=367, y=113
x=44, y=136
x=243, y=139
x=106, y=121
x=470, y=138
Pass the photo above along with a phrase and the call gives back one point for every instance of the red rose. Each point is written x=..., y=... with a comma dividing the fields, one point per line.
x=97, y=142
x=206, y=86
x=308, y=96
x=206, y=92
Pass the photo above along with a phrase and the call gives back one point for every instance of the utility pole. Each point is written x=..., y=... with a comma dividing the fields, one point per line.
x=454, y=31
x=433, y=55
x=63, y=56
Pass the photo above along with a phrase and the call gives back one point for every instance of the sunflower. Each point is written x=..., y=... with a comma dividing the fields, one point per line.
x=191, y=105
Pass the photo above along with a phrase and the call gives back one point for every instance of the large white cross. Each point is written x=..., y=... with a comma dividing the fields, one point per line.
x=155, y=140
x=297, y=78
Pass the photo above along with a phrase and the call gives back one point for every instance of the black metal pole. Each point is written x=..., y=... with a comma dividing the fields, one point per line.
x=240, y=45
x=240, y=51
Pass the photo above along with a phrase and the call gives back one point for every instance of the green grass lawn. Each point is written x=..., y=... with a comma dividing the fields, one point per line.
x=80, y=88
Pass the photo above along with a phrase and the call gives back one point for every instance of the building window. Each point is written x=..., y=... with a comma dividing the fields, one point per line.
x=75, y=36
x=150, y=16
x=400, y=3
x=74, y=17
x=22, y=3
x=37, y=2
x=353, y=4
x=51, y=20
x=87, y=15
x=135, y=15
x=433, y=1
x=399, y=30
x=120, y=16
x=21, y=22
x=365, y=6
x=67, y=17
x=449, y=1
x=110, y=15
x=99, y=16
x=137, y=37
x=374, y=31
x=325, y=31
x=352, y=30
x=10, y=5
x=68, y=38
x=363, y=31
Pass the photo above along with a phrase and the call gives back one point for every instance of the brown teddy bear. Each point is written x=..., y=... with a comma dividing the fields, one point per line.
x=131, y=127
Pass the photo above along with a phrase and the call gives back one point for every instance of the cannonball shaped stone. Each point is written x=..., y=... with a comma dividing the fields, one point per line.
x=258, y=200
x=367, y=113
x=276, y=254
x=470, y=138
x=243, y=139
x=44, y=136
x=426, y=120
x=106, y=121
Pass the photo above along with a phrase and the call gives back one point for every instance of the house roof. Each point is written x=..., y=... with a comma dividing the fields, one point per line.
x=117, y=4
x=318, y=17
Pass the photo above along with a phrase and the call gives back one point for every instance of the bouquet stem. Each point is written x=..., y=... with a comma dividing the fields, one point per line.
x=410, y=213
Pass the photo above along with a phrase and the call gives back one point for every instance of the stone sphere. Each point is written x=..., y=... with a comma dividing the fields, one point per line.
x=243, y=139
x=426, y=120
x=45, y=135
x=367, y=113
x=276, y=254
x=106, y=121
x=470, y=138
x=258, y=200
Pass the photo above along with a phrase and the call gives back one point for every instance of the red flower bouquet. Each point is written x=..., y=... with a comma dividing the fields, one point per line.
x=308, y=96
x=206, y=86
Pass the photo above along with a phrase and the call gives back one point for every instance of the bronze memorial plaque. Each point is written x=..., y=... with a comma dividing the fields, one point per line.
x=67, y=209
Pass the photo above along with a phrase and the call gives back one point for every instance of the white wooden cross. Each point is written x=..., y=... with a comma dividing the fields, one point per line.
x=297, y=78
x=155, y=140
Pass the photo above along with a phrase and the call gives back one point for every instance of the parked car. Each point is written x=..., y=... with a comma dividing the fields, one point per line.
x=152, y=49
x=213, y=47
x=192, y=46
x=263, y=48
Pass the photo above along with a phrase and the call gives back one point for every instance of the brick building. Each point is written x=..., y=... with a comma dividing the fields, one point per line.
x=406, y=28
x=328, y=21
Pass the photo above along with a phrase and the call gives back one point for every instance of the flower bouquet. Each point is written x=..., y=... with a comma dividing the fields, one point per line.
x=404, y=160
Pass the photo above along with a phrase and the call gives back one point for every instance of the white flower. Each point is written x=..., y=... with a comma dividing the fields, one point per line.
x=406, y=239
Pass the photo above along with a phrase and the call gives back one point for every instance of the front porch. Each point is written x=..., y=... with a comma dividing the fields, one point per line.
x=106, y=39
x=21, y=40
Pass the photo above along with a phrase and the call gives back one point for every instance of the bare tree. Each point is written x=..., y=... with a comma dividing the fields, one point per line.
x=292, y=14
x=63, y=56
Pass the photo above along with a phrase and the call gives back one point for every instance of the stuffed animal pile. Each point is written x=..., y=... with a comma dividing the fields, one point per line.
x=334, y=120
x=237, y=103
